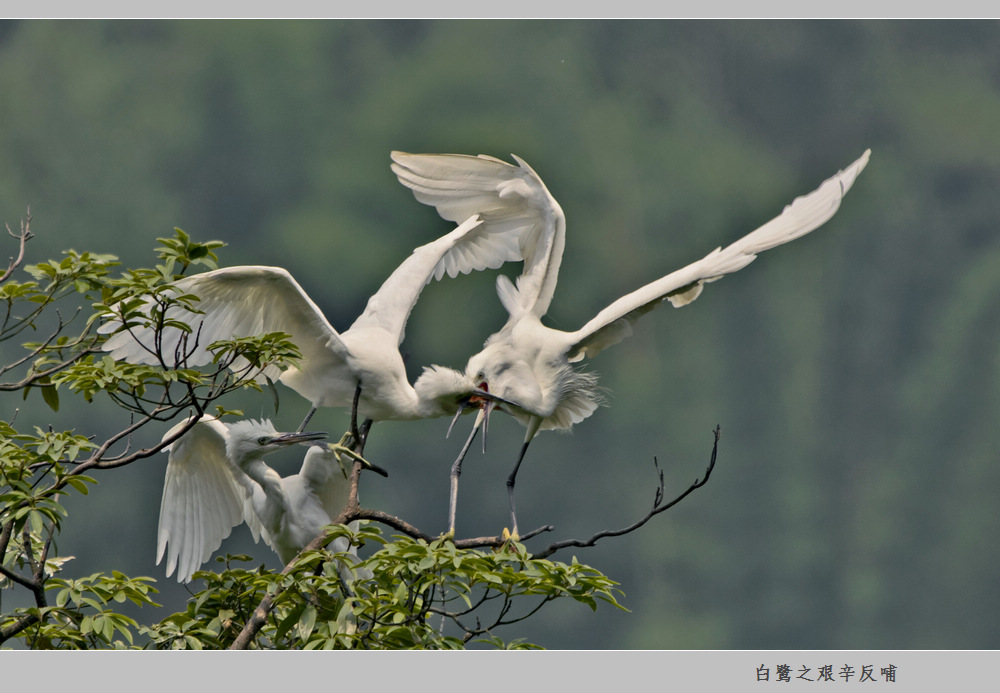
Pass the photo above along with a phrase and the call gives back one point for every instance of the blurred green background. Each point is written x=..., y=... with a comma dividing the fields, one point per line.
x=854, y=372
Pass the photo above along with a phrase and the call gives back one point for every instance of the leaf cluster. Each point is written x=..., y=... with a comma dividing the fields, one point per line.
x=413, y=592
x=408, y=594
x=423, y=589
x=84, y=616
x=146, y=298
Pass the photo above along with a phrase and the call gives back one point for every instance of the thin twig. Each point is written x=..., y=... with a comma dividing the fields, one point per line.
x=23, y=237
x=656, y=509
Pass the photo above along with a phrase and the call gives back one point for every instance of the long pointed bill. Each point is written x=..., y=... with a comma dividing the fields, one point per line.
x=298, y=437
x=486, y=411
x=462, y=406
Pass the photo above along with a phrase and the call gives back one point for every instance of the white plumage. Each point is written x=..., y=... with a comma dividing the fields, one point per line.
x=251, y=300
x=528, y=364
x=216, y=479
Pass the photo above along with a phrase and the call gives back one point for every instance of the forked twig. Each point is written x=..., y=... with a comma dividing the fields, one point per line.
x=657, y=508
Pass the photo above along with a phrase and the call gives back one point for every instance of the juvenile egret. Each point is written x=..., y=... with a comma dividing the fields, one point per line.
x=527, y=364
x=252, y=300
x=216, y=479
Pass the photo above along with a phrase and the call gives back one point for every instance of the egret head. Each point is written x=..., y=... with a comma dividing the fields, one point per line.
x=444, y=388
x=253, y=439
x=509, y=380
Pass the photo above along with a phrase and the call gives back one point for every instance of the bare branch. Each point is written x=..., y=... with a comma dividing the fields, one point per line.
x=655, y=510
x=23, y=237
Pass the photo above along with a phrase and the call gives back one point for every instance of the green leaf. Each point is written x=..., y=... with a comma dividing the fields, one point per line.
x=51, y=397
x=306, y=622
x=290, y=620
x=36, y=521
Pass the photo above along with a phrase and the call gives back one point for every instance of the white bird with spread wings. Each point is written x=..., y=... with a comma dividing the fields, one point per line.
x=216, y=479
x=247, y=301
x=528, y=365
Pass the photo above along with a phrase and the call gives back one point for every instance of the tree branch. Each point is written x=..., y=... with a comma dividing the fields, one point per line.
x=23, y=237
x=655, y=510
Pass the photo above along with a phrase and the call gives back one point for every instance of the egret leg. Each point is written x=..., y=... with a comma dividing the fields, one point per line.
x=530, y=430
x=485, y=414
x=456, y=471
x=354, y=418
x=510, y=492
x=363, y=432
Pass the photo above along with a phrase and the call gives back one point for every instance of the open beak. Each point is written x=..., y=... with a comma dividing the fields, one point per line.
x=485, y=412
x=483, y=400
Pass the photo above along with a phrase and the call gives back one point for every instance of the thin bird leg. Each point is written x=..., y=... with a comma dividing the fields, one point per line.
x=456, y=471
x=306, y=420
x=510, y=492
x=532, y=428
x=354, y=414
x=487, y=408
x=363, y=432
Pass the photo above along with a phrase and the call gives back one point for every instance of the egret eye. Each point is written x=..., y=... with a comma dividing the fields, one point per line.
x=263, y=440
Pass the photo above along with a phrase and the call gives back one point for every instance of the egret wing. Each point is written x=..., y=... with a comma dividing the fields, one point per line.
x=803, y=215
x=521, y=219
x=241, y=301
x=322, y=475
x=390, y=306
x=202, y=501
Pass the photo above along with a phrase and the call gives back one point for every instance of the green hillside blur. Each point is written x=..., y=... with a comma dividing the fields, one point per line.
x=855, y=373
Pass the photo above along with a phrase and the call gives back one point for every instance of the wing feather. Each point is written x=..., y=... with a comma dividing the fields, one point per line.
x=390, y=306
x=202, y=499
x=803, y=215
x=521, y=219
x=241, y=301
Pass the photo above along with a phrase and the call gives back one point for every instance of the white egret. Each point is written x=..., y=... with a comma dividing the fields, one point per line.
x=216, y=479
x=251, y=300
x=529, y=365
x=513, y=204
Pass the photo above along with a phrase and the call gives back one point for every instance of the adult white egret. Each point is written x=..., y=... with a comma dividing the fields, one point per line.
x=529, y=365
x=216, y=479
x=514, y=204
x=251, y=300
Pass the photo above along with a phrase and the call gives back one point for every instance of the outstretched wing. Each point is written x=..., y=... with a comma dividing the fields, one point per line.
x=805, y=214
x=390, y=306
x=521, y=220
x=242, y=301
x=202, y=500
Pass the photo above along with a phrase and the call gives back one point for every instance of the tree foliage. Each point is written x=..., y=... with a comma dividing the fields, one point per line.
x=421, y=593
x=855, y=373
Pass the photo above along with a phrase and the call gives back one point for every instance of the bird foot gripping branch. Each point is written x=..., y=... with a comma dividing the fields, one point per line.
x=345, y=447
